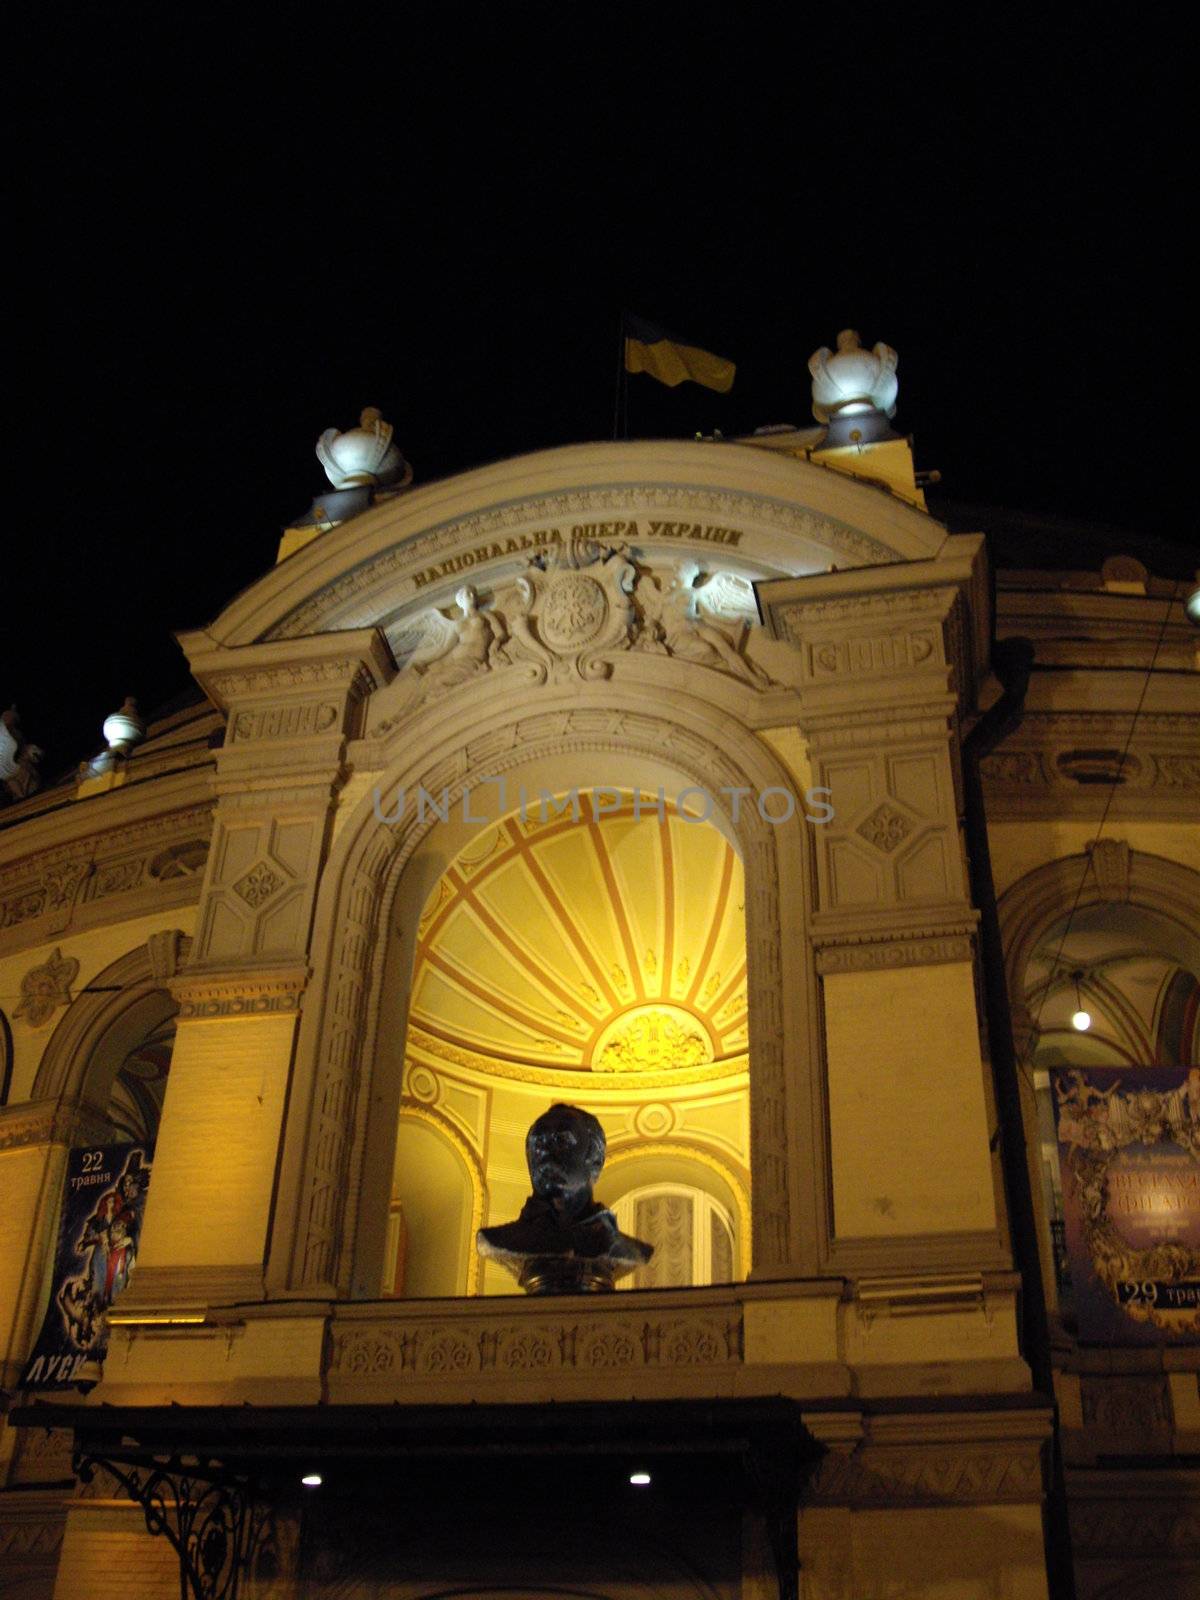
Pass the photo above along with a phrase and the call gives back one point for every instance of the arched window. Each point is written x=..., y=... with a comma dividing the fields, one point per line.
x=135, y=1099
x=692, y=1235
x=111, y=1052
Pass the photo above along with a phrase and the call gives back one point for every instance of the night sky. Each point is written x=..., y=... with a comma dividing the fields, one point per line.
x=233, y=229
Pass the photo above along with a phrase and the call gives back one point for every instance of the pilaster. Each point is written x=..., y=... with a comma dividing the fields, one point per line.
x=291, y=707
x=891, y=658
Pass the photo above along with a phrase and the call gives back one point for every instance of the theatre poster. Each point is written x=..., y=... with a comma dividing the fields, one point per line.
x=104, y=1201
x=1129, y=1154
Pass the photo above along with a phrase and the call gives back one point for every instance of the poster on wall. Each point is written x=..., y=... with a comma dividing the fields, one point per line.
x=104, y=1200
x=1129, y=1153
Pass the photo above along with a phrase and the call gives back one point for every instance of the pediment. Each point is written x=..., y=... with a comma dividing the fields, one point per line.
x=728, y=508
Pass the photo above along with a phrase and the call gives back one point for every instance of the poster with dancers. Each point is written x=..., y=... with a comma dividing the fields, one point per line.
x=1129, y=1155
x=104, y=1202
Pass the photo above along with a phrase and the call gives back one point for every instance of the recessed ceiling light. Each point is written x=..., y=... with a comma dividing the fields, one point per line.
x=312, y=1480
x=640, y=1478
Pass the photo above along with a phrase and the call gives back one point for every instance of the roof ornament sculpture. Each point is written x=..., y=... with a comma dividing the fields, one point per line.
x=19, y=775
x=852, y=381
x=122, y=730
x=364, y=457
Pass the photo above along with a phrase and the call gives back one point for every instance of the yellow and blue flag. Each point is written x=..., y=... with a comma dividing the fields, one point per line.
x=673, y=360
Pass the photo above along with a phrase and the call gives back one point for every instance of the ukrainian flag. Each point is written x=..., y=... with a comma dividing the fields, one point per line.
x=673, y=360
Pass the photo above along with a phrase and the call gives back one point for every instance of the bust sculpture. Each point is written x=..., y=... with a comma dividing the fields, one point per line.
x=564, y=1241
x=852, y=381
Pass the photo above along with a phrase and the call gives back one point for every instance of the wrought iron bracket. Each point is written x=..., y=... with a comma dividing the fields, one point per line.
x=210, y=1515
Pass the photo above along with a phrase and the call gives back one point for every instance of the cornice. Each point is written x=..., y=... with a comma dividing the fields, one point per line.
x=238, y=991
x=1064, y=763
x=39, y=1122
x=349, y=664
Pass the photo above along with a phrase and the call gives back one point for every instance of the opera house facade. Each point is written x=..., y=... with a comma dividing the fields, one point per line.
x=713, y=787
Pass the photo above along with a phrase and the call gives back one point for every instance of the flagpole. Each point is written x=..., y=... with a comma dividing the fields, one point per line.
x=620, y=375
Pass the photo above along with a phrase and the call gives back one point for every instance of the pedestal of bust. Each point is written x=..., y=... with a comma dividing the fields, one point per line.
x=569, y=1275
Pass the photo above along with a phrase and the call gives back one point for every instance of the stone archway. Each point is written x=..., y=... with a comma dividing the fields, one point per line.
x=110, y=1008
x=1110, y=877
x=378, y=874
x=1110, y=874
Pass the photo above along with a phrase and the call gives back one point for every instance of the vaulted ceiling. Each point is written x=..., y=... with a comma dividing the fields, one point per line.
x=612, y=943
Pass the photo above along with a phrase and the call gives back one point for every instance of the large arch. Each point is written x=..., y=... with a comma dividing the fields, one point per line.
x=1030, y=907
x=1029, y=911
x=346, y=1084
x=793, y=517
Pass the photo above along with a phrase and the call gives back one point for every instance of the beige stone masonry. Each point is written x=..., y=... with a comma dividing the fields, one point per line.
x=891, y=661
x=291, y=707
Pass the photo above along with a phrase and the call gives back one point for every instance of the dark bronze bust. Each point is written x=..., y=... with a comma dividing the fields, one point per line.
x=564, y=1242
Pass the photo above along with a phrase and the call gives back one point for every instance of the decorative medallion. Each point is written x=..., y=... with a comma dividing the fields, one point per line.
x=565, y=620
x=45, y=988
x=423, y=1084
x=258, y=885
x=573, y=611
x=654, y=1121
x=885, y=828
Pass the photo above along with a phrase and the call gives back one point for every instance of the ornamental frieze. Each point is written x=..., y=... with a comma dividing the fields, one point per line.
x=203, y=995
x=401, y=1350
x=75, y=882
x=709, y=520
x=937, y=1475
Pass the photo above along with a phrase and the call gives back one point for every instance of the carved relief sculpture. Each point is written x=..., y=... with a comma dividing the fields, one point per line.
x=19, y=760
x=676, y=624
x=45, y=988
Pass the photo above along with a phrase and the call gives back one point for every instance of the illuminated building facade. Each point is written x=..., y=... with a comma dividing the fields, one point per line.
x=692, y=783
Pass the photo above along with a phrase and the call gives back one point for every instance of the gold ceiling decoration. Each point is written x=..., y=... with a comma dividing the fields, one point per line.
x=615, y=945
x=650, y=1039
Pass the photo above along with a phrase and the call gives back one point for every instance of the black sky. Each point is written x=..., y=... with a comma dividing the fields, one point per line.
x=234, y=228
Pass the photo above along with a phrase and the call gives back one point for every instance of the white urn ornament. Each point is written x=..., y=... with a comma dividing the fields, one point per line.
x=124, y=728
x=363, y=457
x=851, y=381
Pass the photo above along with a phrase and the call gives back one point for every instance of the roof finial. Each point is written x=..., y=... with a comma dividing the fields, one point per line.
x=363, y=457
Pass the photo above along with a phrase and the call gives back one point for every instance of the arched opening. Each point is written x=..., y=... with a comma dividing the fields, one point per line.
x=590, y=950
x=435, y=1209
x=330, y=1221
x=1102, y=974
x=127, y=1073
x=692, y=1235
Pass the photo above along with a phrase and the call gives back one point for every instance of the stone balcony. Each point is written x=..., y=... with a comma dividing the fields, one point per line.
x=812, y=1340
